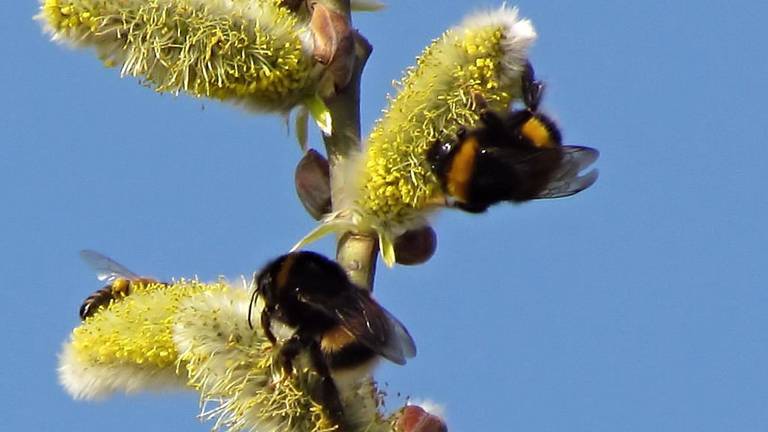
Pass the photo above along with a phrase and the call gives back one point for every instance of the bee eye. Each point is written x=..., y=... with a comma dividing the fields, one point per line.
x=442, y=150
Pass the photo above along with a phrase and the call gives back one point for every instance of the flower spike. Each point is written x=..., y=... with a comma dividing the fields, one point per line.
x=251, y=52
x=472, y=67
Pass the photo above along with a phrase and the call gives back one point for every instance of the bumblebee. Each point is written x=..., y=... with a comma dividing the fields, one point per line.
x=516, y=156
x=336, y=322
x=119, y=282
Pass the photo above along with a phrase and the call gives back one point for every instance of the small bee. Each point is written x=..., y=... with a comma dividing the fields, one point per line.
x=337, y=322
x=517, y=156
x=119, y=280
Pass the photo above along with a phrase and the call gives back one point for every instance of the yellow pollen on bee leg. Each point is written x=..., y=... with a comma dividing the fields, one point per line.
x=120, y=287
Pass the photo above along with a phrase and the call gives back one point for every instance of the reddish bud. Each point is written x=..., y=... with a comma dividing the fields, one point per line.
x=313, y=184
x=415, y=246
x=414, y=419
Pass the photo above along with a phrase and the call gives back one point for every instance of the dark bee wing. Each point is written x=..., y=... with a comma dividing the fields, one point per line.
x=107, y=270
x=368, y=322
x=566, y=180
x=375, y=327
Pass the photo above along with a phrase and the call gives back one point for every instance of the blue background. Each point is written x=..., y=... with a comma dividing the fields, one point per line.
x=640, y=304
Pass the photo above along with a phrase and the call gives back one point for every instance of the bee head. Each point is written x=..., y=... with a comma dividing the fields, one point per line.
x=439, y=155
x=265, y=287
x=274, y=277
x=254, y=299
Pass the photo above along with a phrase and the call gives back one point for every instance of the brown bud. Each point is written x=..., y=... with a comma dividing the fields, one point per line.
x=414, y=419
x=313, y=184
x=415, y=246
x=334, y=45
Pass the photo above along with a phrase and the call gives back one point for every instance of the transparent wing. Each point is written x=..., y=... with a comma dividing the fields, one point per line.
x=107, y=270
x=400, y=336
x=567, y=180
x=375, y=327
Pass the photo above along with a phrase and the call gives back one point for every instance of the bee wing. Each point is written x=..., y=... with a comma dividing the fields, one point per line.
x=107, y=270
x=375, y=327
x=566, y=181
x=401, y=336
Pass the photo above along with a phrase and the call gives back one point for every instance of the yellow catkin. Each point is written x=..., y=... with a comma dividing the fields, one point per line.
x=472, y=67
x=436, y=97
x=136, y=329
x=234, y=368
x=249, y=52
x=199, y=333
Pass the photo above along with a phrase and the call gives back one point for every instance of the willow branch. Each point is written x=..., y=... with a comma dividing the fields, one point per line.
x=356, y=251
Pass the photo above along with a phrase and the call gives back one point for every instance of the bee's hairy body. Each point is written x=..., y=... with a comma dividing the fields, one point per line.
x=341, y=327
x=516, y=156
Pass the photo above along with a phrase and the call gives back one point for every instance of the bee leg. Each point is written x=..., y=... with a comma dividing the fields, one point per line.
x=329, y=393
x=528, y=75
x=461, y=133
x=492, y=120
x=289, y=350
x=481, y=104
x=266, y=327
x=531, y=88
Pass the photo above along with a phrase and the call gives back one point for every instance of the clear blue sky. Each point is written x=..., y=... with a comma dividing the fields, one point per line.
x=638, y=305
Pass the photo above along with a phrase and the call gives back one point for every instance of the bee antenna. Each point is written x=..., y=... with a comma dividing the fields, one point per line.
x=254, y=296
